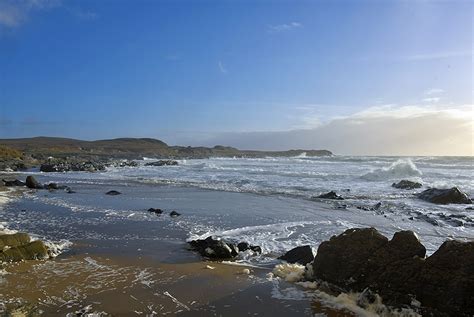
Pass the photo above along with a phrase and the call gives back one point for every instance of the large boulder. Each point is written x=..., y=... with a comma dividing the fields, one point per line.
x=35, y=250
x=302, y=255
x=361, y=259
x=446, y=281
x=162, y=163
x=31, y=182
x=343, y=259
x=18, y=247
x=444, y=196
x=406, y=184
x=13, y=240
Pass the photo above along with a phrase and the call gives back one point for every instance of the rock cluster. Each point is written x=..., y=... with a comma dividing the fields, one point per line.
x=67, y=165
x=18, y=247
x=397, y=270
x=217, y=249
x=162, y=163
x=406, y=184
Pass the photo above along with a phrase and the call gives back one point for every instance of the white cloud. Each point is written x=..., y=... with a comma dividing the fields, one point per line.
x=222, y=69
x=284, y=27
x=384, y=130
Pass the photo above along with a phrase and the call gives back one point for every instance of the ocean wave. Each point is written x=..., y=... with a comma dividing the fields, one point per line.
x=402, y=168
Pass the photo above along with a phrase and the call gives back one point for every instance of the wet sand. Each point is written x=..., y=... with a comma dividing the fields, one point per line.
x=121, y=286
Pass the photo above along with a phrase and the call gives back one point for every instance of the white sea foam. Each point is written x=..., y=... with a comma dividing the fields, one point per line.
x=402, y=168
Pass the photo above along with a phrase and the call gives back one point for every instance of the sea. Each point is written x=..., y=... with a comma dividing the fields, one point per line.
x=270, y=202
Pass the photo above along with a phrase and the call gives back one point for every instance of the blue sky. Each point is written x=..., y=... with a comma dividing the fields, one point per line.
x=194, y=71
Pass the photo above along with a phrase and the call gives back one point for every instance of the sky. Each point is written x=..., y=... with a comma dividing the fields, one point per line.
x=354, y=77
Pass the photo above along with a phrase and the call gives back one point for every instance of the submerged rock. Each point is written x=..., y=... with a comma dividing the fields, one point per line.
x=444, y=196
x=406, y=184
x=361, y=259
x=113, y=193
x=16, y=182
x=301, y=255
x=162, y=163
x=174, y=214
x=157, y=211
x=331, y=195
x=32, y=183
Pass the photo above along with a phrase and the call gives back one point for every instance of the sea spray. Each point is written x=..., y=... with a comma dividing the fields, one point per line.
x=402, y=168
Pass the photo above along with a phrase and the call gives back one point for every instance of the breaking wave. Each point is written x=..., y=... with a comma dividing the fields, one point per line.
x=399, y=169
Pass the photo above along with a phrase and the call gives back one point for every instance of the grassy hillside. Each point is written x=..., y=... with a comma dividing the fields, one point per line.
x=42, y=147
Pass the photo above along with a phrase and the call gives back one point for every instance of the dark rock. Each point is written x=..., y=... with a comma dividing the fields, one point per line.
x=446, y=280
x=234, y=249
x=256, y=249
x=406, y=184
x=13, y=183
x=113, y=193
x=174, y=214
x=156, y=210
x=124, y=163
x=342, y=259
x=69, y=190
x=301, y=255
x=162, y=163
x=31, y=182
x=243, y=246
x=469, y=208
x=361, y=259
x=70, y=164
x=52, y=186
x=330, y=195
x=212, y=248
x=220, y=250
x=445, y=196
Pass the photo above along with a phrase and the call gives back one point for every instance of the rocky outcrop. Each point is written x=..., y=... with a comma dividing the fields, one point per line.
x=18, y=247
x=162, y=163
x=361, y=259
x=32, y=183
x=13, y=183
x=113, y=193
x=123, y=163
x=330, y=195
x=445, y=196
x=67, y=165
x=406, y=184
x=217, y=249
x=302, y=255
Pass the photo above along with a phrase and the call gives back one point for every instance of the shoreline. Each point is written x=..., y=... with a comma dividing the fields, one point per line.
x=134, y=242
